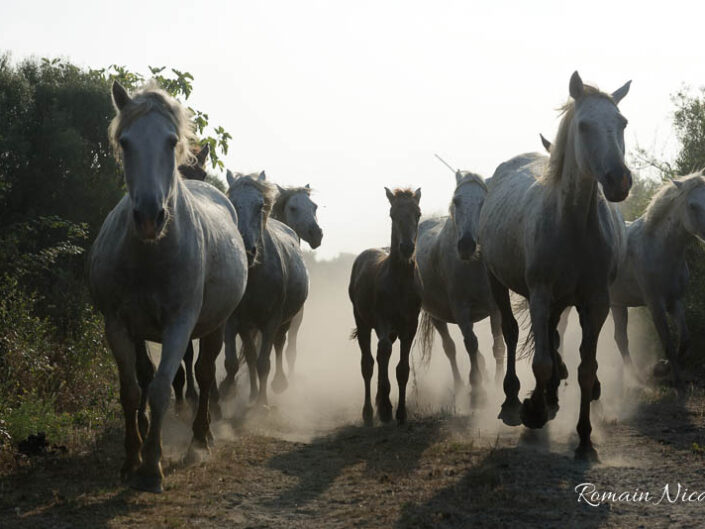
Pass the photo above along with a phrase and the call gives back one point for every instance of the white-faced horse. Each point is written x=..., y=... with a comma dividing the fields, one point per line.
x=168, y=265
x=548, y=233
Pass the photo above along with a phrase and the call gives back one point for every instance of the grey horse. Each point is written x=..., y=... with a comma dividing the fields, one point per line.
x=548, y=233
x=655, y=273
x=293, y=206
x=168, y=265
x=277, y=286
x=453, y=284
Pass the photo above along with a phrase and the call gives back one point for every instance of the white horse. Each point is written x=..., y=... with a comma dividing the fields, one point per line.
x=168, y=265
x=453, y=284
x=655, y=273
x=547, y=233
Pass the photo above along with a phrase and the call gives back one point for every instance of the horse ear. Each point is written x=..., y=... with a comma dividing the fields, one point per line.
x=458, y=177
x=677, y=183
x=279, y=188
x=202, y=155
x=262, y=176
x=576, y=88
x=417, y=195
x=619, y=94
x=390, y=195
x=120, y=96
x=546, y=144
x=307, y=186
x=230, y=177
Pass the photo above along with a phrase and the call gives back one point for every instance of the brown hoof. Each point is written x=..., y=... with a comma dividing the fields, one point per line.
x=279, y=384
x=509, y=414
x=533, y=415
x=146, y=483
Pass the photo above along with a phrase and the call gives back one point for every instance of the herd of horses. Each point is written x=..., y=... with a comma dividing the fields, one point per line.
x=178, y=260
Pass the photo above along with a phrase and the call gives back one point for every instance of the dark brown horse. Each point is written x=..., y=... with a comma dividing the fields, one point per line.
x=384, y=299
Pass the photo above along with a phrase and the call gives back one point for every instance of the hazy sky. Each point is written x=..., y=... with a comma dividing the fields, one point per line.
x=354, y=96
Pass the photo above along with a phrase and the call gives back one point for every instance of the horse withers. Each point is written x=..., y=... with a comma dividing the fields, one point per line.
x=384, y=299
x=168, y=265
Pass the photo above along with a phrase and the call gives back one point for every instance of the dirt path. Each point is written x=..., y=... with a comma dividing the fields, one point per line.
x=439, y=471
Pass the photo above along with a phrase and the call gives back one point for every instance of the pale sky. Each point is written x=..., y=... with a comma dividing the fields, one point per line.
x=354, y=96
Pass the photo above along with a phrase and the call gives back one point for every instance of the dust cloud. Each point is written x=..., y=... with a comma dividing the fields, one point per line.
x=326, y=391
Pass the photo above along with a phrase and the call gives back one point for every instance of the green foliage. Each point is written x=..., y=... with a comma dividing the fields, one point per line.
x=689, y=124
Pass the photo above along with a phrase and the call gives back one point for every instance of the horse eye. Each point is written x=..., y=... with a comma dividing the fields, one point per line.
x=123, y=143
x=456, y=201
x=172, y=141
x=293, y=209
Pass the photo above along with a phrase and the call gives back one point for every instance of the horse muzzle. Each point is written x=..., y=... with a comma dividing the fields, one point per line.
x=149, y=222
x=315, y=237
x=406, y=249
x=466, y=247
x=616, y=184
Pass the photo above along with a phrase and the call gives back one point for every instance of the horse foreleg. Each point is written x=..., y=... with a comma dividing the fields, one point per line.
x=557, y=374
x=149, y=475
x=449, y=350
x=534, y=411
x=498, y=348
x=145, y=373
x=291, y=342
x=403, y=373
x=232, y=365
x=264, y=363
x=250, y=352
x=592, y=317
x=384, y=352
x=660, y=318
x=510, y=329
x=478, y=396
x=279, y=382
x=684, y=334
x=209, y=347
x=620, y=316
x=123, y=349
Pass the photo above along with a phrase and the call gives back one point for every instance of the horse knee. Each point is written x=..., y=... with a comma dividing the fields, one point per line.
x=368, y=364
x=587, y=372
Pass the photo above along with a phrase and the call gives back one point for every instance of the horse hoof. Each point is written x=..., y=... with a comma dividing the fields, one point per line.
x=552, y=410
x=385, y=412
x=226, y=389
x=279, y=384
x=146, y=483
x=533, y=416
x=478, y=398
x=587, y=454
x=562, y=371
x=197, y=452
x=509, y=414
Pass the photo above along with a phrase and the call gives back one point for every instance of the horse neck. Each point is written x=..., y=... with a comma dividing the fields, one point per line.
x=669, y=234
x=577, y=191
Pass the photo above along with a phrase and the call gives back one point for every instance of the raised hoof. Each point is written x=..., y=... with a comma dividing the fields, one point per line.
x=562, y=371
x=384, y=411
x=533, y=415
x=509, y=414
x=367, y=415
x=279, y=384
x=401, y=416
x=146, y=483
x=596, y=390
x=587, y=454
x=478, y=398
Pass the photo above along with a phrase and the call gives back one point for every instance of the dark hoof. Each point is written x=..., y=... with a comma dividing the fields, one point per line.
x=197, y=452
x=562, y=371
x=587, y=454
x=146, y=483
x=279, y=383
x=401, y=416
x=533, y=415
x=384, y=410
x=367, y=415
x=478, y=398
x=509, y=414
x=596, y=390
x=552, y=408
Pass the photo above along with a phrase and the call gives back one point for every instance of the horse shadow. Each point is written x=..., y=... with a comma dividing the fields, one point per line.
x=387, y=453
x=527, y=485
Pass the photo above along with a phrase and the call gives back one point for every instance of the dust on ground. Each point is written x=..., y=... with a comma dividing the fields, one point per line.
x=309, y=461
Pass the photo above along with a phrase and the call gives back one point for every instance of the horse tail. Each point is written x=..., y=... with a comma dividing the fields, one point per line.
x=354, y=333
x=426, y=336
x=523, y=315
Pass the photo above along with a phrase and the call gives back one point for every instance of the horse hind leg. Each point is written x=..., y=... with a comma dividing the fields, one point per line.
x=557, y=373
x=478, y=395
x=498, y=349
x=279, y=382
x=232, y=364
x=403, y=374
x=510, y=330
x=367, y=365
x=449, y=350
x=249, y=349
x=660, y=318
x=191, y=393
x=291, y=336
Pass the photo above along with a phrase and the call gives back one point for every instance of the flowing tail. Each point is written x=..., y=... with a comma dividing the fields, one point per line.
x=354, y=333
x=521, y=311
x=425, y=336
